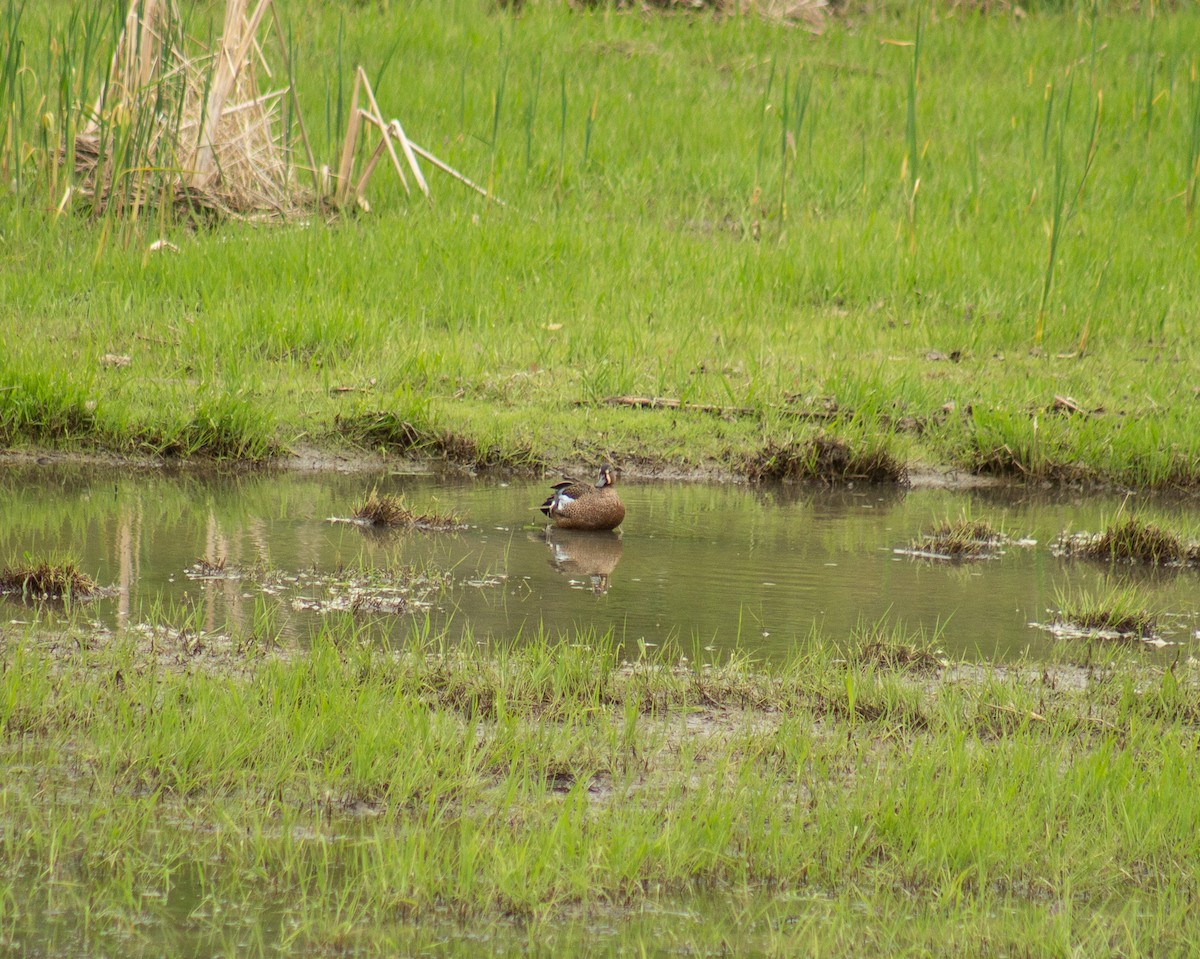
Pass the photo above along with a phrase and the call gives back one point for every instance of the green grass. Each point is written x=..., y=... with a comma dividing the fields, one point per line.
x=963, y=537
x=655, y=243
x=59, y=578
x=350, y=795
x=1117, y=608
x=1134, y=539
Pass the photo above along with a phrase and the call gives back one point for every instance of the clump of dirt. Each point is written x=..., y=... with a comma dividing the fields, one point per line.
x=823, y=458
x=47, y=580
x=391, y=511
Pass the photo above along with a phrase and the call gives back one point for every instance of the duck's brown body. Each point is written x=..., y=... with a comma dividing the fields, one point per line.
x=576, y=505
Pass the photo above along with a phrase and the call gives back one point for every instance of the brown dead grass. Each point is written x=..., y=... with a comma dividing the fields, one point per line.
x=188, y=127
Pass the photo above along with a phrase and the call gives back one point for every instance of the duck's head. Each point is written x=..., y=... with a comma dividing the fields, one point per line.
x=608, y=477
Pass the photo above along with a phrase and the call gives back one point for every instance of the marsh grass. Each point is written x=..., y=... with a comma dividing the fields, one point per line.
x=47, y=579
x=1132, y=539
x=393, y=433
x=391, y=511
x=1113, y=608
x=362, y=791
x=825, y=459
x=44, y=406
x=964, y=538
x=477, y=326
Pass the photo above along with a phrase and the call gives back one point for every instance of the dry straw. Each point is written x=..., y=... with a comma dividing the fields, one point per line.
x=180, y=125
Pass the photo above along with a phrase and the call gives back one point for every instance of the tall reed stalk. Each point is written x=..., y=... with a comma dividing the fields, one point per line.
x=12, y=94
x=795, y=108
x=562, y=127
x=589, y=127
x=762, y=114
x=531, y=112
x=1193, y=143
x=1064, y=202
x=912, y=154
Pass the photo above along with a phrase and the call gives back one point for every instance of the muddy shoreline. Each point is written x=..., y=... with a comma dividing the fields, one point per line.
x=323, y=460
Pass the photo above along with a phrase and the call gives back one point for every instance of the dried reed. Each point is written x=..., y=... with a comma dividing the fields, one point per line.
x=176, y=124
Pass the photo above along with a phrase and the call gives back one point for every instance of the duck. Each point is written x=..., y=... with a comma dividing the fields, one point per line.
x=576, y=505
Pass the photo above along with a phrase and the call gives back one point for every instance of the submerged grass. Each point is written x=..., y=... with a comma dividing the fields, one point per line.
x=358, y=793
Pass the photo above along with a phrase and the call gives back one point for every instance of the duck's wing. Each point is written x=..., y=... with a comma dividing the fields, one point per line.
x=573, y=489
x=565, y=493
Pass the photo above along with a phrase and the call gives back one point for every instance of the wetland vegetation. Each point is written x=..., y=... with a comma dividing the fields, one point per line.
x=391, y=511
x=355, y=795
x=973, y=252
x=318, y=741
x=964, y=538
x=932, y=237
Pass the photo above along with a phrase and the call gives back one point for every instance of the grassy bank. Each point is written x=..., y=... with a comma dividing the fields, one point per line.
x=157, y=790
x=976, y=251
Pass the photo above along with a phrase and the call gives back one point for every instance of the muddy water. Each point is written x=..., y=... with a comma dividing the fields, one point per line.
x=715, y=566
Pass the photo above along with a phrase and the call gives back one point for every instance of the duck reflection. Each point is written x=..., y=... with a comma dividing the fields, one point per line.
x=576, y=553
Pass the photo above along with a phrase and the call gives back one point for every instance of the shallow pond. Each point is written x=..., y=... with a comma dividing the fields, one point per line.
x=703, y=565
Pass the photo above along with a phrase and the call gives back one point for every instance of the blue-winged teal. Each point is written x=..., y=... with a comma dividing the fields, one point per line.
x=576, y=505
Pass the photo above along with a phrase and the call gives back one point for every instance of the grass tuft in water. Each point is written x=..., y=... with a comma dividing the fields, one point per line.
x=964, y=537
x=1113, y=608
x=1132, y=540
x=388, y=510
x=47, y=579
